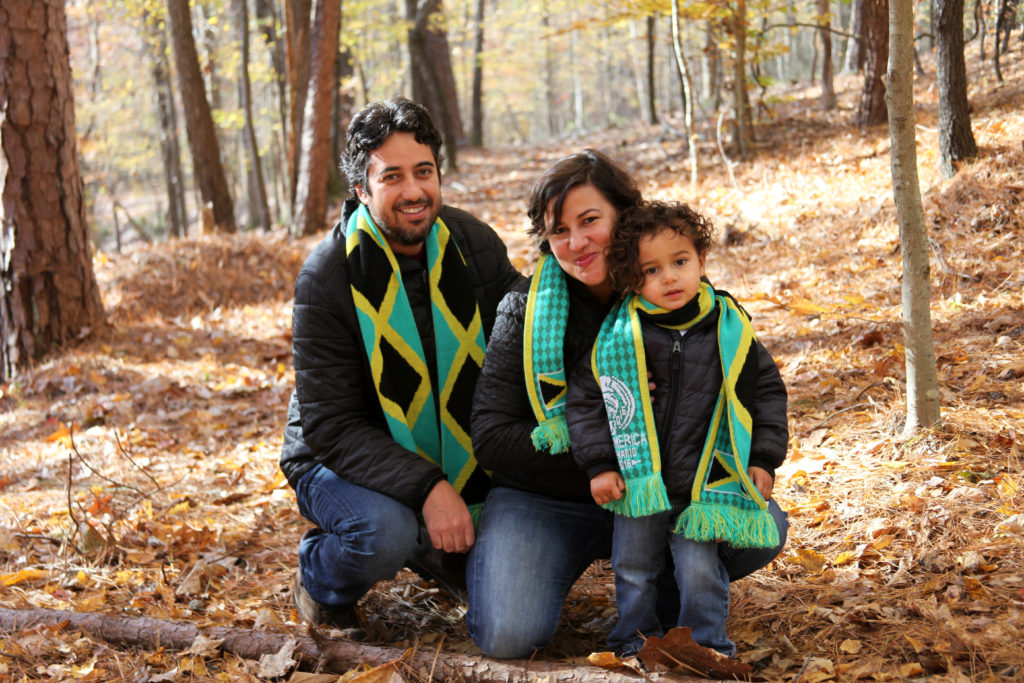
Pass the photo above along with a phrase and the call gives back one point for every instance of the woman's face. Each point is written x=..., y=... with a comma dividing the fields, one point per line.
x=581, y=235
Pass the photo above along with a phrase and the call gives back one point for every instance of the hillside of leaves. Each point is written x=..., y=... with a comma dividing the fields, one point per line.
x=140, y=469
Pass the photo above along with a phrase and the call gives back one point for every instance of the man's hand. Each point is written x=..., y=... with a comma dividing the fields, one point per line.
x=607, y=486
x=762, y=480
x=448, y=520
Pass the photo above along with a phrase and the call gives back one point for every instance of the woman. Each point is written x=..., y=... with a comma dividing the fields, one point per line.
x=540, y=528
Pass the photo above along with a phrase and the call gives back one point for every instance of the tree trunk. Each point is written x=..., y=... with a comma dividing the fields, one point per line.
x=255, y=171
x=476, y=132
x=956, y=140
x=743, y=127
x=688, y=99
x=297, y=31
x=828, y=92
x=331, y=656
x=156, y=48
x=344, y=96
x=433, y=80
x=1004, y=22
x=712, y=67
x=48, y=291
x=267, y=19
x=855, y=52
x=871, y=109
x=311, y=195
x=202, y=136
x=922, y=380
x=651, y=90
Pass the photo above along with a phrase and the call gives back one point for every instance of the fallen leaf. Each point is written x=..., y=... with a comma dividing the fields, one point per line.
x=678, y=649
x=279, y=663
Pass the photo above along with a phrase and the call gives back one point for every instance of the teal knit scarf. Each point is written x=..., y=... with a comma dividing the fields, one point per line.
x=725, y=505
x=547, y=309
x=397, y=362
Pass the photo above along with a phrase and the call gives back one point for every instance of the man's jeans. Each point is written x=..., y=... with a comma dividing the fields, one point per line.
x=365, y=537
x=702, y=571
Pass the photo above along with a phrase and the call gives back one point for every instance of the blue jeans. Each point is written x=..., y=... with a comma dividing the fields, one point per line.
x=529, y=551
x=363, y=537
x=702, y=572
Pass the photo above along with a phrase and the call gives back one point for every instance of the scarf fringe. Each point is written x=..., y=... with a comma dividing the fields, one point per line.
x=703, y=521
x=552, y=434
x=644, y=496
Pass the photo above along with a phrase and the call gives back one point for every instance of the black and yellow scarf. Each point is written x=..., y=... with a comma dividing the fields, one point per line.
x=397, y=362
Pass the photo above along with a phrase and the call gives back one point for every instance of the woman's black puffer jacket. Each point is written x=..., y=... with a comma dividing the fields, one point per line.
x=687, y=374
x=502, y=416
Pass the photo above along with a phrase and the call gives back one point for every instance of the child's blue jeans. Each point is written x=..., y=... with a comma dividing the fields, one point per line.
x=702, y=572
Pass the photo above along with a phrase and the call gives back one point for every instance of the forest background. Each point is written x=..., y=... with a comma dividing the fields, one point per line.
x=139, y=465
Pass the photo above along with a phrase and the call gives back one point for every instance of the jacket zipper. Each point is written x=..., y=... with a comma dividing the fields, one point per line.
x=666, y=427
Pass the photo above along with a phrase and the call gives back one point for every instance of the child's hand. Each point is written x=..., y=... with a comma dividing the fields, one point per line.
x=607, y=486
x=761, y=479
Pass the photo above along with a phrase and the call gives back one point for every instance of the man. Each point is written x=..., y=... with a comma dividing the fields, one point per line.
x=391, y=314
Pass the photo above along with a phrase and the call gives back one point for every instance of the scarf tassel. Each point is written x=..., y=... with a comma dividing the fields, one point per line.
x=645, y=496
x=551, y=434
x=705, y=521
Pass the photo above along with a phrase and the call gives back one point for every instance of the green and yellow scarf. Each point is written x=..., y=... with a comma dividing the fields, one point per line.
x=547, y=309
x=725, y=505
x=397, y=362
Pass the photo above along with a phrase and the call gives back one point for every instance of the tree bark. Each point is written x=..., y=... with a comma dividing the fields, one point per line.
x=743, y=127
x=871, y=109
x=688, y=98
x=855, y=52
x=712, y=84
x=254, y=172
x=651, y=94
x=202, y=135
x=267, y=18
x=432, y=76
x=956, y=140
x=48, y=291
x=922, y=379
x=828, y=92
x=297, y=29
x=156, y=48
x=311, y=194
x=476, y=131
x=333, y=656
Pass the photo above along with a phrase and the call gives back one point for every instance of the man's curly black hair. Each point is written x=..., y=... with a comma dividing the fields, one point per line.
x=648, y=219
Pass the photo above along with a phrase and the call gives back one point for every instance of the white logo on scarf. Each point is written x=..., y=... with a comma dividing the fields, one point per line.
x=618, y=401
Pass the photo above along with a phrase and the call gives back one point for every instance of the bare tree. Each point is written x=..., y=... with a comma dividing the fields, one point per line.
x=297, y=30
x=476, y=129
x=922, y=379
x=202, y=135
x=254, y=172
x=311, y=195
x=48, y=291
x=855, y=47
x=828, y=93
x=956, y=140
x=871, y=109
x=688, y=98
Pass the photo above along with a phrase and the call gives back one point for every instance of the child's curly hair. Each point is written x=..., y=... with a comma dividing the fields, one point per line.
x=648, y=219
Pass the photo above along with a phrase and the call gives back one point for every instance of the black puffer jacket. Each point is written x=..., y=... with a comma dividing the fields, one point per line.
x=334, y=416
x=502, y=416
x=687, y=374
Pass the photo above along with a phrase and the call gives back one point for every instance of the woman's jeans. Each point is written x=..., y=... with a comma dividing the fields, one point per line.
x=703, y=571
x=363, y=537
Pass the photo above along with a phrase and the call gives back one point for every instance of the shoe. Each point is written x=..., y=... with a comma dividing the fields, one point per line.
x=312, y=612
x=448, y=570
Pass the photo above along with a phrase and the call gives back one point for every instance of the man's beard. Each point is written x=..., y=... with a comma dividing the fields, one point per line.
x=408, y=237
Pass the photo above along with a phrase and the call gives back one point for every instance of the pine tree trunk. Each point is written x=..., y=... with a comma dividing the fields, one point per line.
x=261, y=210
x=433, y=80
x=202, y=135
x=922, y=380
x=48, y=291
x=828, y=92
x=956, y=140
x=871, y=109
x=297, y=30
x=476, y=132
x=311, y=195
x=156, y=48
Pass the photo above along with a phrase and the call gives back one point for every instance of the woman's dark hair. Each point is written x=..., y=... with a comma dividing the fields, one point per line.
x=588, y=167
x=372, y=125
x=648, y=219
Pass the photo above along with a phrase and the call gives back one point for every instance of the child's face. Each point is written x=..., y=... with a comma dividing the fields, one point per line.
x=671, y=267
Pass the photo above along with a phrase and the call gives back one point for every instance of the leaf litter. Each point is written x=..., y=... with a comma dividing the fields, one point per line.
x=140, y=467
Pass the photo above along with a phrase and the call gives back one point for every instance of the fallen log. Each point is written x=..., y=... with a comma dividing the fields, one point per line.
x=331, y=656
